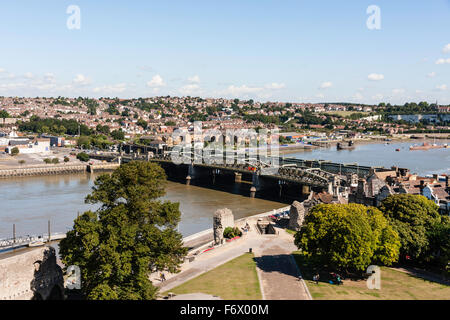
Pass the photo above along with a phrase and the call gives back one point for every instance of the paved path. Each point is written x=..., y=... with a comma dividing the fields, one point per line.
x=278, y=273
x=276, y=268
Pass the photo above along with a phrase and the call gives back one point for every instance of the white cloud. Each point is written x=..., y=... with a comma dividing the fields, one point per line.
x=357, y=96
x=275, y=86
x=375, y=77
x=29, y=75
x=81, y=80
x=398, y=91
x=431, y=74
x=111, y=89
x=378, y=97
x=50, y=77
x=326, y=85
x=446, y=48
x=442, y=87
x=44, y=86
x=12, y=86
x=320, y=95
x=442, y=61
x=242, y=90
x=190, y=89
x=6, y=75
x=156, y=82
x=194, y=79
x=145, y=68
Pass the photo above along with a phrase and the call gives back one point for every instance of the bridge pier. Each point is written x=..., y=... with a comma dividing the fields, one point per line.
x=255, y=181
x=252, y=192
x=188, y=180
x=306, y=190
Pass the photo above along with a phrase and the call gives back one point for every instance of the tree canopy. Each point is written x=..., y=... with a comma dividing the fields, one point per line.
x=412, y=216
x=131, y=234
x=347, y=237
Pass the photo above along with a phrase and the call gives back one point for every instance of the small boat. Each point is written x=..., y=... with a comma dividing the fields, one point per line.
x=349, y=146
x=427, y=146
x=397, y=149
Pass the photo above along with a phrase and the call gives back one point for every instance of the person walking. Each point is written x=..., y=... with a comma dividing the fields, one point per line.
x=316, y=278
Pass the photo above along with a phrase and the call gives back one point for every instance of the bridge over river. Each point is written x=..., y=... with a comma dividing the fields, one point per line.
x=282, y=174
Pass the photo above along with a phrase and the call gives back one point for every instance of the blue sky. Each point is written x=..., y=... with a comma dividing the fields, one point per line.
x=299, y=51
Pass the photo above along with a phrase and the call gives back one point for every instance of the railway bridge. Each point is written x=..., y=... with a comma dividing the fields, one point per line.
x=258, y=173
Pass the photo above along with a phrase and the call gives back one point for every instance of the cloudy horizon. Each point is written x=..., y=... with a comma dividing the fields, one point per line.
x=301, y=52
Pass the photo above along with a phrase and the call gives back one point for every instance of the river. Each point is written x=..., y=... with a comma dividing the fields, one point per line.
x=422, y=162
x=30, y=202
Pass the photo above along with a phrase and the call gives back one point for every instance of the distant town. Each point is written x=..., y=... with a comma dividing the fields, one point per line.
x=135, y=137
x=108, y=120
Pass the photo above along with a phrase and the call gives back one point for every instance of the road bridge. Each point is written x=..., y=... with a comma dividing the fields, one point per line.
x=261, y=173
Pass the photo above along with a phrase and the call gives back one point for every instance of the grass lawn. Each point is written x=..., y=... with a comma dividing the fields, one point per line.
x=292, y=232
x=234, y=280
x=344, y=113
x=395, y=285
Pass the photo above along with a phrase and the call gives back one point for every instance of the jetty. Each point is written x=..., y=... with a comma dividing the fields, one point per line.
x=46, y=170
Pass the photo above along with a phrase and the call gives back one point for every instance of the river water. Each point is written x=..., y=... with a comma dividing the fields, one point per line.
x=422, y=162
x=30, y=202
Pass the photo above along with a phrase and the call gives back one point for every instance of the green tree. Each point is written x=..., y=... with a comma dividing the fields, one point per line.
x=347, y=237
x=84, y=142
x=15, y=151
x=412, y=216
x=438, y=250
x=83, y=156
x=4, y=114
x=130, y=235
x=142, y=123
x=118, y=134
x=230, y=232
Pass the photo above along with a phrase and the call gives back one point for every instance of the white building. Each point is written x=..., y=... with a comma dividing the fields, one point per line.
x=35, y=146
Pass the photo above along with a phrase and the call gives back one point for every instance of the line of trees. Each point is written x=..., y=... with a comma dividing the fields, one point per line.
x=405, y=228
x=54, y=126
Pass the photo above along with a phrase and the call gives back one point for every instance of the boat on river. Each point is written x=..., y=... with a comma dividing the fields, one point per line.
x=428, y=146
x=348, y=146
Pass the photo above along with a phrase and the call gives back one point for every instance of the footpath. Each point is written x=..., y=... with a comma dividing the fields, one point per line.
x=277, y=271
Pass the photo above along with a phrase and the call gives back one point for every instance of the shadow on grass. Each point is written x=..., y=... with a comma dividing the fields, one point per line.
x=309, y=268
x=425, y=275
x=281, y=263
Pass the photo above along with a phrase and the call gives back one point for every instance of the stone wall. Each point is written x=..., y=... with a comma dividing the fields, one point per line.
x=30, y=273
x=222, y=219
x=296, y=215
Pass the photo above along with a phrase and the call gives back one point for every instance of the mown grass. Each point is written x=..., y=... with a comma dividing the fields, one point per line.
x=234, y=280
x=395, y=285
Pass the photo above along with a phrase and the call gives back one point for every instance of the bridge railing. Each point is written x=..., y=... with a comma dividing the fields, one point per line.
x=21, y=241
